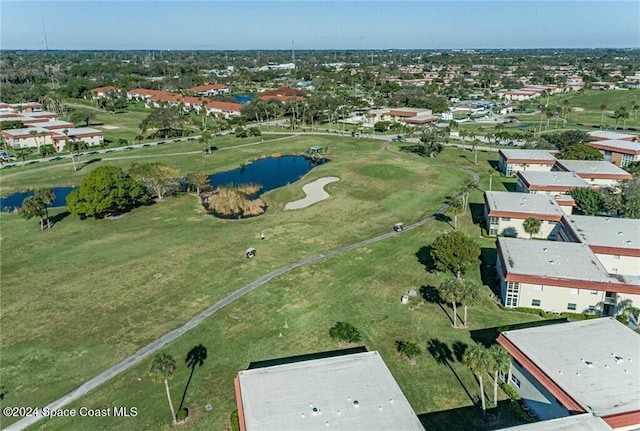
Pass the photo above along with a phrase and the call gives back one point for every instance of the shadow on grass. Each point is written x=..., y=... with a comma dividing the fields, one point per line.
x=195, y=358
x=494, y=165
x=477, y=213
x=443, y=218
x=458, y=349
x=89, y=162
x=487, y=336
x=59, y=217
x=488, y=274
x=430, y=294
x=470, y=418
x=424, y=257
x=510, y=187
x=444, y=356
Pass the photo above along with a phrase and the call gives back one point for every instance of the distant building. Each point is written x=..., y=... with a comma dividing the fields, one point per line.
x=505, y=213
x=632, y=81
x=209, y=89
x=550, y=183
x=349, y=392
x=102, y=92
x=614, y=241
x=596, y=172
x=512, y=161
x=617, y=151
x=577, y=368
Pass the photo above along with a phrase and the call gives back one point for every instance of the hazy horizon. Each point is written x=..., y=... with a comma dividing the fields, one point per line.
x=312, y=25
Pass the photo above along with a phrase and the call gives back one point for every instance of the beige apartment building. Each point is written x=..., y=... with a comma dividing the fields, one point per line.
x=512, y=161
x=560, y=277
x=550, y=183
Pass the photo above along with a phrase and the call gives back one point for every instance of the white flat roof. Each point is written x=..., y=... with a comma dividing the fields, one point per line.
x=543, y=155
x=586, y=167
x=525, y=203
x=556, y=259
x=606, y=231
x=596, y=362
x=610, y=135
x=552, y=178
x=283, y=397
x=583, y=422
x=616, y=143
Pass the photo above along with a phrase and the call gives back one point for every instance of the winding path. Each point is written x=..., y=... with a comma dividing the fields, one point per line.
x=150, y=349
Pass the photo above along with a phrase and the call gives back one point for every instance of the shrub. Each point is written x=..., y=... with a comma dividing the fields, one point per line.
x=511, y=393
x=182, y=414
x=547, y=315
x=234, y=420
x=345, y=331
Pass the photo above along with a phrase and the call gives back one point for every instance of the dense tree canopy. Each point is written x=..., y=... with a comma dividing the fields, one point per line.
x=580, y=152
x=455, y=252
x=159, y=179
x=106, y=190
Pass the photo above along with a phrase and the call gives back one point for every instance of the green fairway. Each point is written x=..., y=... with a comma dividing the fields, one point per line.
x=88, y=293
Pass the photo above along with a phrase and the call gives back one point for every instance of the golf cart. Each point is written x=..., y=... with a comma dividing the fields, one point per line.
x=398, y=227
x=251, y=253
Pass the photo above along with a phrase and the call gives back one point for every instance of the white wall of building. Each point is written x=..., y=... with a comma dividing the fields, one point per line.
x=617, y=264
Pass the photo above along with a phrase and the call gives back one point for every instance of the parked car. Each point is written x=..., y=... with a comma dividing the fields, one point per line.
x=398, y=139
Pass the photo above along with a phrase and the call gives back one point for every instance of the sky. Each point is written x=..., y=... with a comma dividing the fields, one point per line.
x=266, y=25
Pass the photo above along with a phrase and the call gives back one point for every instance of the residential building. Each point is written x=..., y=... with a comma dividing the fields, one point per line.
x=596, y=172
x=506, y=212
x=102, y=92
x=512, y=161
x=560, y=277
x=632, y=81
x=352, y=391
x=32, y=137
x=551, y=183
x=601, y=85
x=209, y=89
x=224, y=109
x=600, y=135
x=577, y=368
x=617, y=151
x=614, y=241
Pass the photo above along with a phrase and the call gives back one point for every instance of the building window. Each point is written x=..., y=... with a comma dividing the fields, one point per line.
x=515, y=381
x=535, y=302
x=594, y=292
x=592, y=309
x=571, y=306
x=614, y=270
x=574, y=291
x=537, y=287
x=506, y=218
x=616, y=256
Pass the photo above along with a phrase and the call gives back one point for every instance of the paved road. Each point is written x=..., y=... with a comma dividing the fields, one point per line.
x=150, y=349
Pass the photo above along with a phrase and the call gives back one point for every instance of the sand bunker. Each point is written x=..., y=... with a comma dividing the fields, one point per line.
x=315, y=193
x=110, y=127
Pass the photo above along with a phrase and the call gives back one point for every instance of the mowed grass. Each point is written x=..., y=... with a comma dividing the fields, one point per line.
x=86, y=294
x=364, y=287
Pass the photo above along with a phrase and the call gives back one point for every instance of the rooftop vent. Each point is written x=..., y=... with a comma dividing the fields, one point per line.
x=355, y=403
x=618, y=359
x=588, y=364
x=545, y=249
x=551, y=261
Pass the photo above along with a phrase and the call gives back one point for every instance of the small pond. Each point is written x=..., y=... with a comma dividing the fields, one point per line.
x=272, y=172
x=14, y=201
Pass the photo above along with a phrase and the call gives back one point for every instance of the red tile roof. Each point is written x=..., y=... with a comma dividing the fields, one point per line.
x=207, y=87
x=224, y=106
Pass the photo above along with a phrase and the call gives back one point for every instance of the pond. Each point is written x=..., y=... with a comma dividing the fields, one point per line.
x=14, y=201
x=271, y=173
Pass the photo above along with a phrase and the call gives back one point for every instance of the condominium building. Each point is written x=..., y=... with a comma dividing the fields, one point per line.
x=581, y=368
x=597, y=173
x=560, y=277
x=506, y=212
x=550, y=183
x=512, y=161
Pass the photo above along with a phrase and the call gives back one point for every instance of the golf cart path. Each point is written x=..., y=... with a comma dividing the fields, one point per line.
x=156, y=345
x=314, y=192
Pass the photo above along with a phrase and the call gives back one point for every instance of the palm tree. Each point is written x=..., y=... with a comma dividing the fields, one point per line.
x=500, y=363
x=532, y=226
x=474, y=147
x=491, y=171
x=603, y=108
x=162, y=368
x=477, y=358
x=205, y=137
x=409, y=349
x=635, y=107
x=46, y=198
x=469, y=294
x=450, y=291
x=456, y=208
x=34, y=134
x=346, y=332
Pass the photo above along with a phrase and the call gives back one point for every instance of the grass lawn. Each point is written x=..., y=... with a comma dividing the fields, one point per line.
x=86, y=294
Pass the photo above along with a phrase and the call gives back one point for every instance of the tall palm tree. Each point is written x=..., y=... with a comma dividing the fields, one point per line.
x=474, y=147
x=34, y=134
x=456, y=208
x=635, y=107
x=46, y=198
x=32, y=207
x=477, y=358
x=531, y=226
x=469, y=295
x=449, y=291
x=500, y=362
x=603, y=108
x=162, y=368
x=491, y=171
